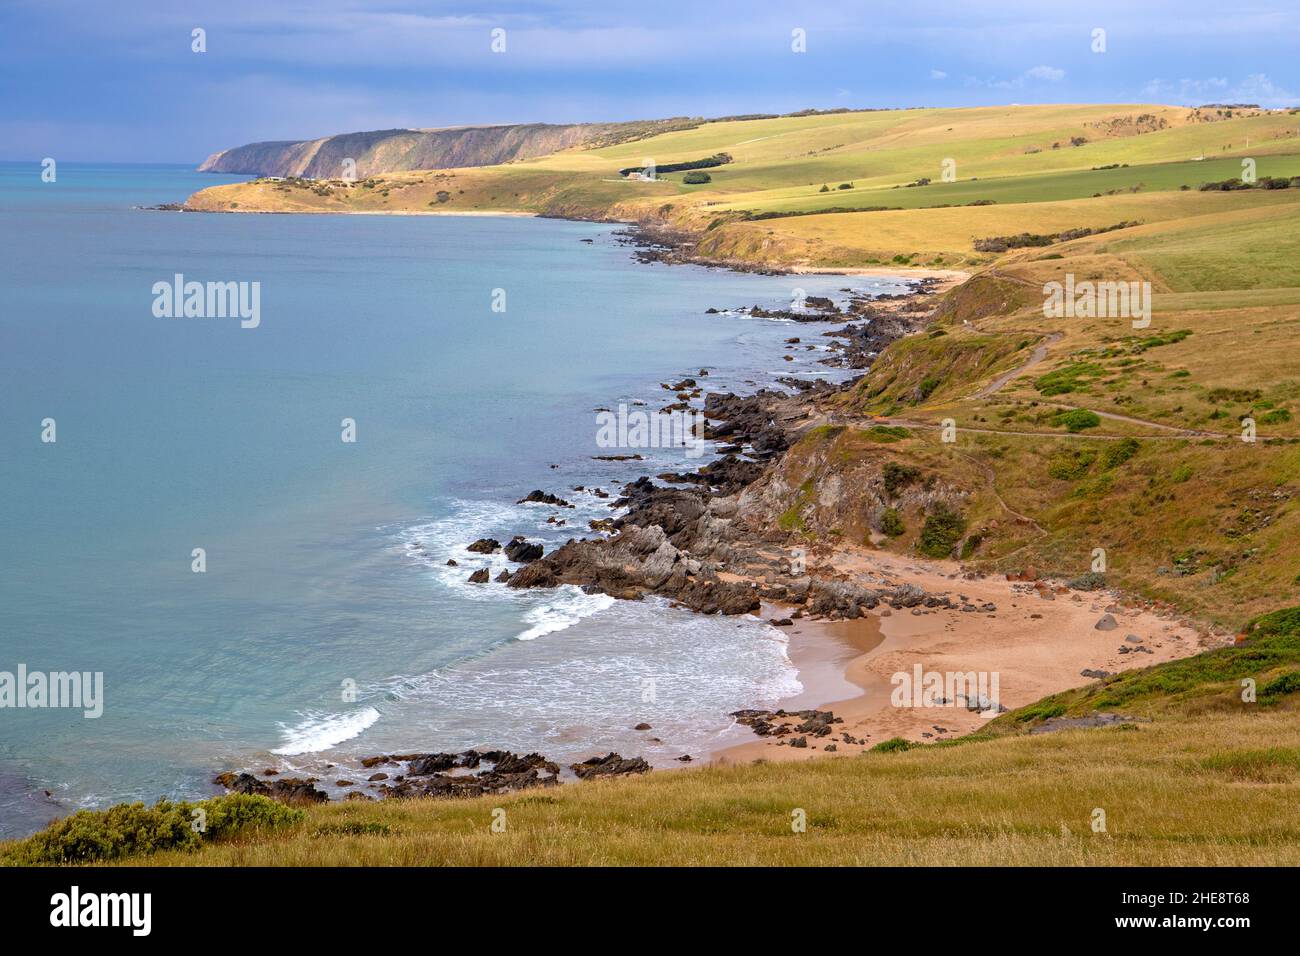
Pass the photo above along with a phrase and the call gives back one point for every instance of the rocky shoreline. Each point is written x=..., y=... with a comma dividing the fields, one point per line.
x=683, y=536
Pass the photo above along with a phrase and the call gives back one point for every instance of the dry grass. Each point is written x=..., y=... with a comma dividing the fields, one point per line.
x=1175, y=792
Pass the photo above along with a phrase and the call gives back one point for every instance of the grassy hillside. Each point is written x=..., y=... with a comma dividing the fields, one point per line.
x=1004, y=155
x=1196, y=777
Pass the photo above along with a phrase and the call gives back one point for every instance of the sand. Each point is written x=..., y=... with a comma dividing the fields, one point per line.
x=1036, y=646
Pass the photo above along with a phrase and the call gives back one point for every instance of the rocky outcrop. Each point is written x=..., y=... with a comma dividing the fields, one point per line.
x=636, y=562
x=520, y=550
x=610, y=765
x=291, y=790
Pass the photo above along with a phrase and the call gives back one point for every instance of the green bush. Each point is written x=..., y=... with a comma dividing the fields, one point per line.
x=130, y=829
x=892, y=745
x=927, y=386
x=891, y=523
x=1071, y=464
x=887, y=433
x=941, y=531
x=1118, y=452
x=1077, y=419
x=898, y=476
x=1280, y=686
x=695, y=178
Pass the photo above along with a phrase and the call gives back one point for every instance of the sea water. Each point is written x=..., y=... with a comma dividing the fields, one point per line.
x=322, y=621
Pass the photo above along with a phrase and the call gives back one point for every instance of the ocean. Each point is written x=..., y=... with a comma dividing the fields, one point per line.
x=325, y=623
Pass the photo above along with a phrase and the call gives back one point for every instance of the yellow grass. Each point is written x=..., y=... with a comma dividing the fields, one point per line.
x=1175, y=792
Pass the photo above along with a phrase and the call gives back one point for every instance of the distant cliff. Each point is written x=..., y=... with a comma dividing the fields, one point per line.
x=392, y=150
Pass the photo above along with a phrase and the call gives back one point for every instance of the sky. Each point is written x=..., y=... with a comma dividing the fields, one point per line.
x=119, y=80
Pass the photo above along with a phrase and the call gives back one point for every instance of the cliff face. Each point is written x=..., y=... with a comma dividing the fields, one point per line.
x=392, y=150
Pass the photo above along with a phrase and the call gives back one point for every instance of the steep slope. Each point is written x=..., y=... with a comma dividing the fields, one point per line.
x=394, y=150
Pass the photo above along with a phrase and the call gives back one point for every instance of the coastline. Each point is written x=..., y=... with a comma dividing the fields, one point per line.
x=682, y=539
x=844, y=662
x=1038, y=646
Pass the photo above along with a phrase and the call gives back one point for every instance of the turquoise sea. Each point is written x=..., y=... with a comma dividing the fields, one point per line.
x=326, y=560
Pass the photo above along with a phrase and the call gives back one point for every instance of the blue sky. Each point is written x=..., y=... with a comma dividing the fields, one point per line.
x=116, y=80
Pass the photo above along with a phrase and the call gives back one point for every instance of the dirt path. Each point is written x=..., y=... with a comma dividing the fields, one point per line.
x=1039, y=354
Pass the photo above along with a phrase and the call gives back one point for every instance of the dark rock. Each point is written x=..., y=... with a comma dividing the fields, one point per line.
x=291, y=790
x=611, y=765
x=538, y=496
x=522, y=551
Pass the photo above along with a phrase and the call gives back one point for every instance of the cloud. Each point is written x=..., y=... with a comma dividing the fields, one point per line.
x=1185, y=90
x=1035, y=74
x=1049, y=73
x=938, y=75
x=1256, y=88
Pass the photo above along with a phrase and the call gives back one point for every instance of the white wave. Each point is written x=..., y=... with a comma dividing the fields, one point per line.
x=563, y=613
x=317, y=732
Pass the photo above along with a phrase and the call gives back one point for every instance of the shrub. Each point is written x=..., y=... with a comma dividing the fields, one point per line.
x=1089, y=581
x=941, y=531
x=892, y=745
x=887, y=433
x=695, y=178
x=1286, y=684
x=1071, y=464
x=1118, y=452
x=891, y=523
x=898, y=476
x=1181, y=474
x=1077, y=419
x=132, y=828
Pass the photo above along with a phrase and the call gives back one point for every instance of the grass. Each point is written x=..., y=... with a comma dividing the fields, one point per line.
x=1177, y=792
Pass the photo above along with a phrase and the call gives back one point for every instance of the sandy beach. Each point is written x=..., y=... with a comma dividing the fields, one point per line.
x=1036, y=645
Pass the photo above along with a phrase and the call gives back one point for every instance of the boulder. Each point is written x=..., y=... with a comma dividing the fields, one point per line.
x=610, y=765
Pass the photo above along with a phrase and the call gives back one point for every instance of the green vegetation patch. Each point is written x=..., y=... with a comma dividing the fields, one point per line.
x=898, y=476
x=1071, y=464
x=1068, y=378
x=1118, y=452
x=942, y=529
x=128, y=829
x=1076, y=419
